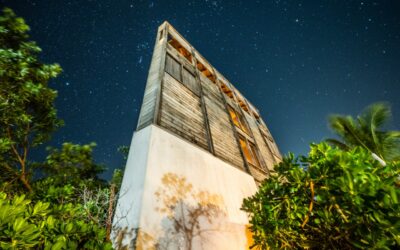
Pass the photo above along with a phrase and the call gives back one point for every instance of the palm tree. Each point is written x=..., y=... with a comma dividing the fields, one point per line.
x=367, y=131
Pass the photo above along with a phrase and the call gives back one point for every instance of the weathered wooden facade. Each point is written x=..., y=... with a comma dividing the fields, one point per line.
x=200, y=145
x=187, y=96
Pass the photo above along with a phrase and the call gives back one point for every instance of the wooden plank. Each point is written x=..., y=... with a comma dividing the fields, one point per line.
x=225, y=145
x=181, y=112
x=173, y=67
x=190, y=81
x=264, y=151
x=153, y=86
x=258, y=174
x=210, y=142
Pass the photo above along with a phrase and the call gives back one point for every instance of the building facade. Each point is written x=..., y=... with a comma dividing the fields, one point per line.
x=200, y=147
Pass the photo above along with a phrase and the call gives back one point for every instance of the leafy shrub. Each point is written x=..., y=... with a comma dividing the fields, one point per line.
x=28, y=225
x=328, y=199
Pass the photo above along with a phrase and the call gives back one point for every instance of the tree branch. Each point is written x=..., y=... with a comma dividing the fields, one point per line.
x=15, y=151
x=310, y=208
x=22, y=176
x=26, y=143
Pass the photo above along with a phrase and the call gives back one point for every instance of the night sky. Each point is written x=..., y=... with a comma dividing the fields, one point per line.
x=296, y=61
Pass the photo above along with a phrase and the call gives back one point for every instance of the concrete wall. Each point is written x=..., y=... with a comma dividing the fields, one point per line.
x=180, y=196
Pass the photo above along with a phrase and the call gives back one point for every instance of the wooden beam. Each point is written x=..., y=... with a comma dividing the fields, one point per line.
x=262, y=161
x=233, y=127
x=157, y=115
x=203, y=107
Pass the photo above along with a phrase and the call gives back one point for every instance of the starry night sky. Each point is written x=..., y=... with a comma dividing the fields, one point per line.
x=296, y=61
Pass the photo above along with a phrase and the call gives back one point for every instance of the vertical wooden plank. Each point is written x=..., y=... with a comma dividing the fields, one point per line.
x=203, y=106
x=173, y=67
x=233, y=128
x=149, y=108
x=263, y=149
x=261, y=158
x=190, y=81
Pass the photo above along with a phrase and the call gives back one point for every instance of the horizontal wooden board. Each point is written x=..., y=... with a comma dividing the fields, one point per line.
x=224, y=141
x=257, y=173
x=264, y=151
x=211, y=90
x=181, y=112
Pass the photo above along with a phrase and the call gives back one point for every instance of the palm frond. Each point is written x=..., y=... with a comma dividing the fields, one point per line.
x=377, y=114
x=367, y=131
x=337, y=143
x=391, y=145
x=339, y=125
x=346, y=128
x=372, y=119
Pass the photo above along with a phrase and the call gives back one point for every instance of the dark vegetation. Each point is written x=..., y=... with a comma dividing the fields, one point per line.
x=69, y=206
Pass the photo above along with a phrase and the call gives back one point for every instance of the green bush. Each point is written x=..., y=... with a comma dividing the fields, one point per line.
x=328, y=199
x=28, y=225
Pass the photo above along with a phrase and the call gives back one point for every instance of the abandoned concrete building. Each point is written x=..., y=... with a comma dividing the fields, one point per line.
x=199, y=137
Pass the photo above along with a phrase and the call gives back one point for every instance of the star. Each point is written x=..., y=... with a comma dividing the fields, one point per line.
x=271, y=58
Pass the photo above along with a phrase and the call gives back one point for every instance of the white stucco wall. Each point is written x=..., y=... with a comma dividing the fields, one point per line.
x=156, y=153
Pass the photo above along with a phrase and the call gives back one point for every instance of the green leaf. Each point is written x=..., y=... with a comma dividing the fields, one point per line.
x=59, y=245
x=393, y=194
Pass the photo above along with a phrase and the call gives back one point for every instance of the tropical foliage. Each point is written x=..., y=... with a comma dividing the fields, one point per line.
x=27, y=112
x=59, y=203
x=72, y=164
x=330, y=199
x=25, y=224
x=367, y=131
